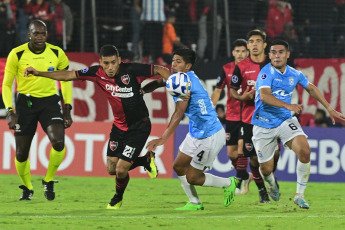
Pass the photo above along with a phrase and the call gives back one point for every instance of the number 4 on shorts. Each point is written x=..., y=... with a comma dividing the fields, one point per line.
x=200, y=155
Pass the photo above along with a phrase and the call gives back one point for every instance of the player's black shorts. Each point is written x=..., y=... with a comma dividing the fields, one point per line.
x=127, y=145
x=30, y=110
x=233, y=132
x=248, y=147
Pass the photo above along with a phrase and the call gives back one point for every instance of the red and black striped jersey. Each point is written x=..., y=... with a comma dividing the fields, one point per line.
x=233, y=106
x=245, y=75
x=122, y=91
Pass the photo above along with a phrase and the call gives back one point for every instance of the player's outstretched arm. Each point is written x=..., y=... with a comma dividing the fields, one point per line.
x=267, y=97
x=315, y=93
x=59, y=75
x=153, y=85
x=175, y=120
x=161, y=70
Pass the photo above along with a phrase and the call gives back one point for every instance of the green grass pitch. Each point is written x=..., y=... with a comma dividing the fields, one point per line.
x=149, y=204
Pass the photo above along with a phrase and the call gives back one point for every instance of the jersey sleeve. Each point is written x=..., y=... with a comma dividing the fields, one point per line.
x=221, y=80
x=264, y=80
x=303, y=80
x=63, y=60
x=141, y=71
x=88, y=73
x=10, y=73
x=236, y=79
x=66, y=90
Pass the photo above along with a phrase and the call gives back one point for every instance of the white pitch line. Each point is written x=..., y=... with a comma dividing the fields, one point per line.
x=175, y=217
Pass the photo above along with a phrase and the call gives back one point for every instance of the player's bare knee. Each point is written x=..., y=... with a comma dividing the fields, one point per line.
x=58, y=145
x=233, y=155
x=121, y=172
x=179, y=169
x=304, y=155
x=193, y=179
x=254, y=162
x=111, y=170
x=265, y=170
x=21, y=157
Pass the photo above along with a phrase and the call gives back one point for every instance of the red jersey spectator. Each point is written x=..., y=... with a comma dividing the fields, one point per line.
x=278, y=15
x=39, y=9
x=63, y=23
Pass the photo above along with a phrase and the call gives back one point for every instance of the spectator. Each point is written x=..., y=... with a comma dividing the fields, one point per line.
x=321, y=120
x=152, y=17
x=40, y=9
x=278, y=15
x=22, y=22
x=220, y=109
x=206, y=45
x=289, y=35
x=135, y=19
x=63, y=23
x=111, y=28
x=7, y=31
x=170, y=39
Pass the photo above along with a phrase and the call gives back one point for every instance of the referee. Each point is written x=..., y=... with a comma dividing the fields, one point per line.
x=37, y=101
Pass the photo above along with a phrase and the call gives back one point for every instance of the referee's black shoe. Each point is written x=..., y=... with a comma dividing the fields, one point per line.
x=49, y=189
x=27, y=193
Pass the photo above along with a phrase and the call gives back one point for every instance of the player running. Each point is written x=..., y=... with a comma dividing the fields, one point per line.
x=204, y=141
x=272, y=119
x=121, y=84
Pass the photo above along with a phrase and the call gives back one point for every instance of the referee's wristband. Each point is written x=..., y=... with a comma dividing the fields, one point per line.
x=8, y=109
x=68, y=106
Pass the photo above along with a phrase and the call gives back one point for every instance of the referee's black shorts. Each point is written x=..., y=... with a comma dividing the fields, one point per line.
x=30, y=110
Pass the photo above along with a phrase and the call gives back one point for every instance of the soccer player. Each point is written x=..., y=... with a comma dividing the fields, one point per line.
x=202, y=144
x=272, y=118
x=234, y=139
x=244, y=77
x=37, y=102
x=120, y=83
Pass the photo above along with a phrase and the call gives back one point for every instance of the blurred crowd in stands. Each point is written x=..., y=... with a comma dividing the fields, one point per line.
x=149, y=30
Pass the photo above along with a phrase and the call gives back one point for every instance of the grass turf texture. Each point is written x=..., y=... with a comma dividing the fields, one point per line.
x=81, y=202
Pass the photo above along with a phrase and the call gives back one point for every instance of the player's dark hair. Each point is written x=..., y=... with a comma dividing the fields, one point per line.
x=239, y=42
x=220, y=106
x=280, y=42
x=109, y=50
x=257, y=32
x=37, y=22
x=188, y=55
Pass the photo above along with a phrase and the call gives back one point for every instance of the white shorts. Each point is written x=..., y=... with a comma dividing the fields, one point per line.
x=265, y=140
x=203, y=151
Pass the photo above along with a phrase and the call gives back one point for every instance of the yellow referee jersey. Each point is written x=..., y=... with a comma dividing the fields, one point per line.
x=50, y=59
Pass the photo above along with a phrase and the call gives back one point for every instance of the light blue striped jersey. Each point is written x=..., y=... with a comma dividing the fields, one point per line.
x=203, y=120
x=153, y=10
x=282, y=86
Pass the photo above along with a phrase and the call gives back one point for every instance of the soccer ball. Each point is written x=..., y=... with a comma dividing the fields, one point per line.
x=178, y=84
